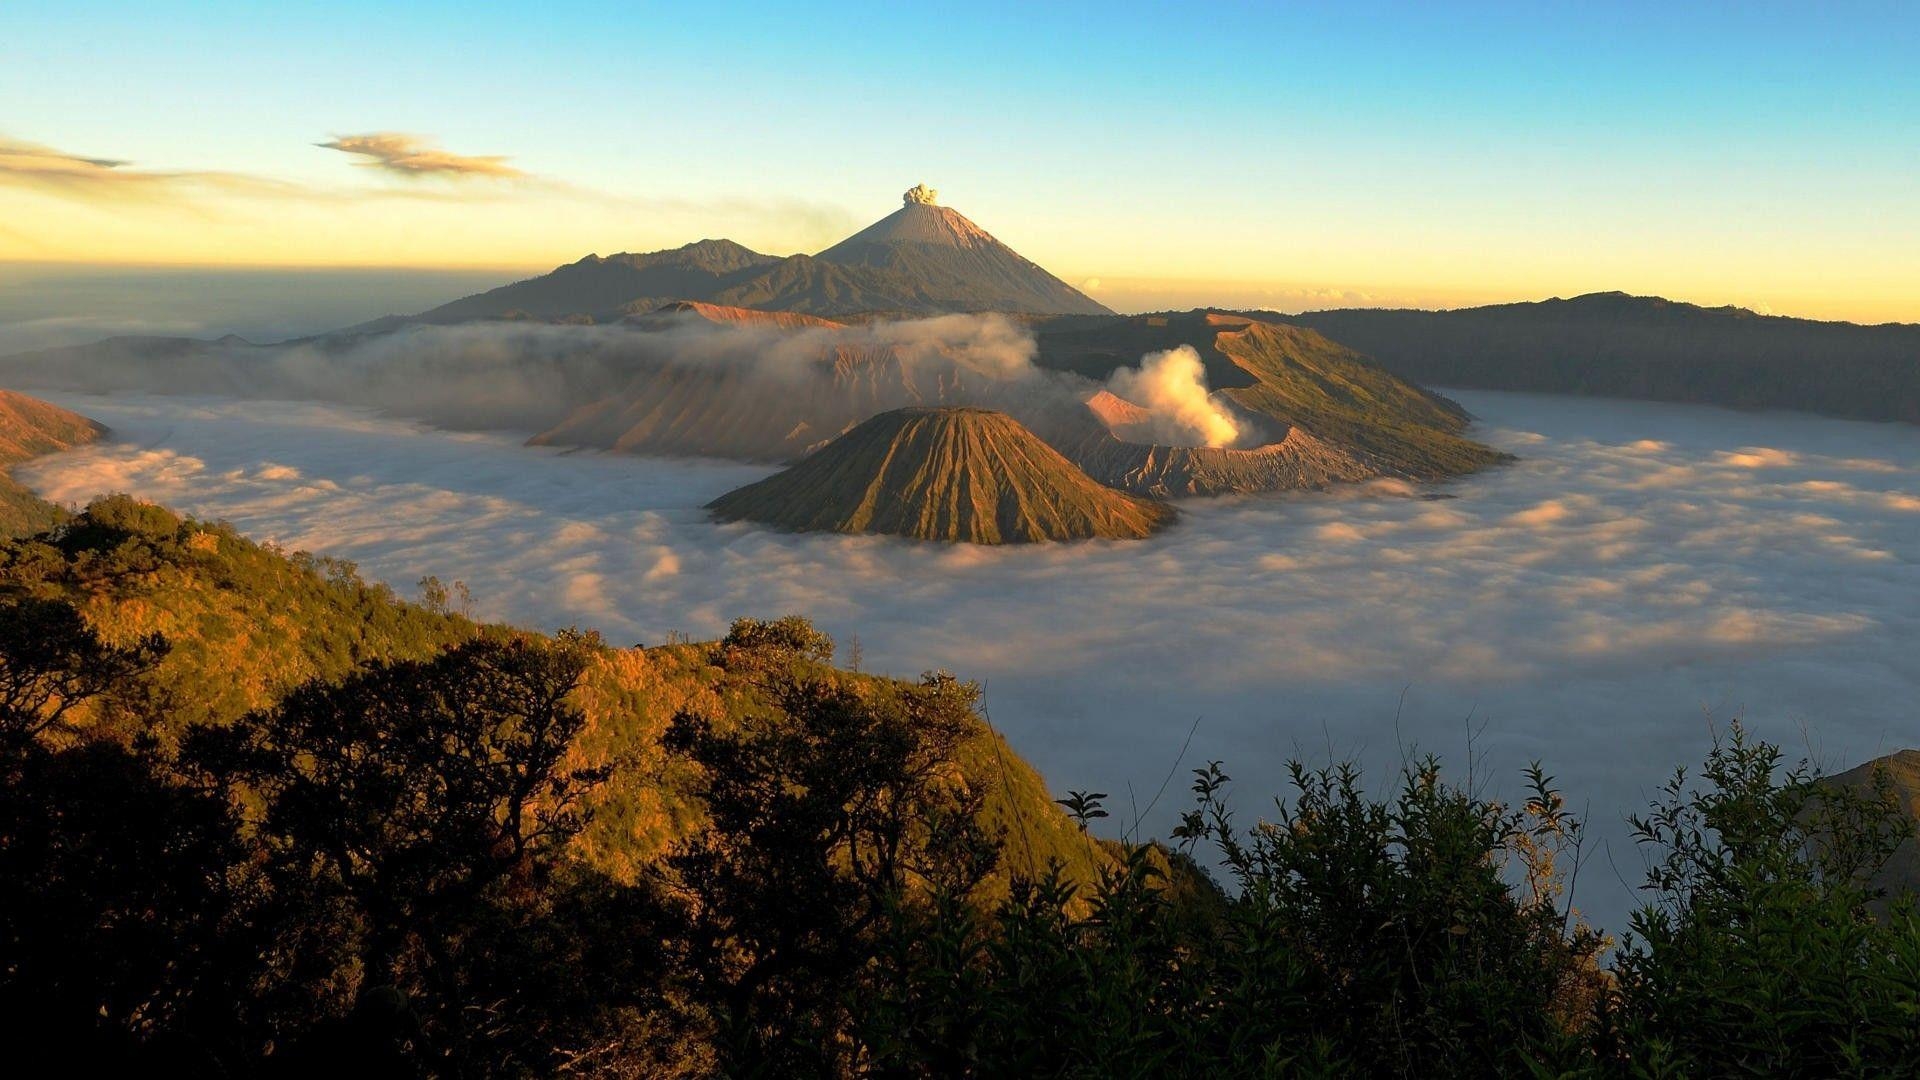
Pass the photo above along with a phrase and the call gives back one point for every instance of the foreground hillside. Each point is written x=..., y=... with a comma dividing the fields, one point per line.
x=1615, y=345
x=29, y=428
x=246, y=624
x=952, y=474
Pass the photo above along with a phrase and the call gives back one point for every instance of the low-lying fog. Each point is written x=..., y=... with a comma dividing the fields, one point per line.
x=1644, y=573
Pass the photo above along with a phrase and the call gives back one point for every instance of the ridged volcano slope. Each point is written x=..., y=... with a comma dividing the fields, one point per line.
x=30, y=427
x=954, y=474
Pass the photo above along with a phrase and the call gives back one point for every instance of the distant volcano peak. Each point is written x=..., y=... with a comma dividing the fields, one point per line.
x=922, y=259
x=928, y=250
x=918, y=221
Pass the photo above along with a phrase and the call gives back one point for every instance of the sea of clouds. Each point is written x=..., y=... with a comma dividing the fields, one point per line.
x=1645, y=574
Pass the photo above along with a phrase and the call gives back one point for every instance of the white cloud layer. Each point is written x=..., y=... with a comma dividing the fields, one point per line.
x=1645, y=570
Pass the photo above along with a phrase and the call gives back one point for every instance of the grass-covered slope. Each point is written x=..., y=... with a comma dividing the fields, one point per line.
x=631, y=695
x=30, y=427
x=245, y=623
x=1303, y=378
x=952, y=474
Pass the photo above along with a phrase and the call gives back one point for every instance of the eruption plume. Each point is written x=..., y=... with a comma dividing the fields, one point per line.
x=1172, y=387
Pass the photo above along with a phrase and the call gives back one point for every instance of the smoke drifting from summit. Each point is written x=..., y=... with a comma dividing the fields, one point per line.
x=1172, y=387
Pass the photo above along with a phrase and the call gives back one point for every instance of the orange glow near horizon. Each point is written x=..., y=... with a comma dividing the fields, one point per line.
x=1273, y=263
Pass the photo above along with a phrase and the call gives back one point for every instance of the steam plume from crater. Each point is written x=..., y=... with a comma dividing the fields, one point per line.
x=1172, y=387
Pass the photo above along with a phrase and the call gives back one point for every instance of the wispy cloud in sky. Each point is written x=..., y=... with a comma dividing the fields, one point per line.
x=94, y=179
x=403, y=205
x=27, y=164
x=414, y=156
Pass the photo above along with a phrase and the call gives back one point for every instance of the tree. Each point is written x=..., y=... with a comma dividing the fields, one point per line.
x=52, y=661
x=1365, y=936
x=124, y=932
x=433, y=594
x=419, y=794
x=120, y=887
x=788, y=638
x=829, y=811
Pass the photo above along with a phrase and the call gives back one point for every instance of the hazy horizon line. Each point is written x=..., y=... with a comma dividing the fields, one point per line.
x=1178, y=293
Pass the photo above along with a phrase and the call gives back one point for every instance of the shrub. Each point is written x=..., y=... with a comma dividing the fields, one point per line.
x=1762, y=952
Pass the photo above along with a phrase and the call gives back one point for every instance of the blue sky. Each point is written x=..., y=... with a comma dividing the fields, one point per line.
x=1756, y=153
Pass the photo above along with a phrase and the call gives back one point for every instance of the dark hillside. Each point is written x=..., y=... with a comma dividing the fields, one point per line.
x=1615, y=345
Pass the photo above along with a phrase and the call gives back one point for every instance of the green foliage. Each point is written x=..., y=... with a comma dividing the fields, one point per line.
x=117, y=518
x=411, y=793
x=22, y=513
x=1362, y=936
x=441, y=599
x=246, y=621
x=1762, y=953
x=56, y=662
x=788, y=637
x=116, y=879
x=417, y=783
x=829, y=818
